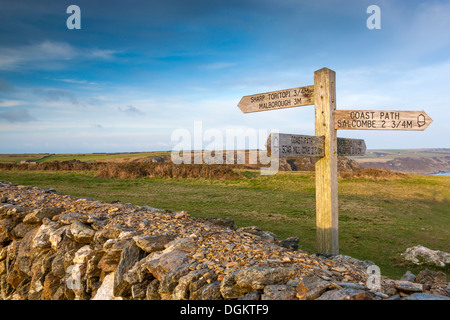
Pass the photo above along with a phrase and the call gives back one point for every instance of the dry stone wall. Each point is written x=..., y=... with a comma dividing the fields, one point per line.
x=59, y=247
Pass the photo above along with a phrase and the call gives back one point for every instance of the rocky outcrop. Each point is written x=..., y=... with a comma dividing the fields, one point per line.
x=58, y=247
x=344, y=164
x=421, y=255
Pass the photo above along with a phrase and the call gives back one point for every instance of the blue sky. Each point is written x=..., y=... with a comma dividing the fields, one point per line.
x=138, y=70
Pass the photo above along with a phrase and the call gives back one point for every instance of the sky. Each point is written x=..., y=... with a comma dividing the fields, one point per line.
x=137, y=71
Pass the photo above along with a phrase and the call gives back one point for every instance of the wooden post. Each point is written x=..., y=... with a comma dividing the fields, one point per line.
x=327, y=240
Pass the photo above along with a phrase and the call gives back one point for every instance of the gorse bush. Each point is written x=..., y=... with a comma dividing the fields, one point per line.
x=373, y=174
x=52, y=165
x=140, y=170
x=133, y=170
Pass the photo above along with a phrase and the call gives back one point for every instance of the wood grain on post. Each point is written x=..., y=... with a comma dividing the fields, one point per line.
x=327, y=240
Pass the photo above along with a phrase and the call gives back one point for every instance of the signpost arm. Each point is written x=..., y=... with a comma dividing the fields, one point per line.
x=326, y=167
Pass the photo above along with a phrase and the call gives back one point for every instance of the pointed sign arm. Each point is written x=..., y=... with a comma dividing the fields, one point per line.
x=381, y=120
x=287, y=98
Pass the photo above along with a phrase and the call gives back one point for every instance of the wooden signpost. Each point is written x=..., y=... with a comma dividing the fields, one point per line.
x=325, y=145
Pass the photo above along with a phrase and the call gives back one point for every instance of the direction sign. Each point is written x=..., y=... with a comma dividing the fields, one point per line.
x=351, y=147
x=381, y=120
x=287, y=98
x=295, y=145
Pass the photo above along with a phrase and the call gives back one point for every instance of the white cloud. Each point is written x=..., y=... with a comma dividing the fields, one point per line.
x=53, y=50
x=16, y=115
x=217, y=65
x=132, y=111
x=102, y=54
x=76, y=81
x=47, y=55
x=10, y=103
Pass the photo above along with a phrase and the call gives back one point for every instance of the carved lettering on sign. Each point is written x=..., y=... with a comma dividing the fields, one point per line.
x=381, y=120
x=288, y=98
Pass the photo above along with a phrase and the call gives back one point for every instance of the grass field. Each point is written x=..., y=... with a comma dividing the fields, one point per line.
x=378, y=219
x=384, y=155
x=16, y=158
x=86, y=157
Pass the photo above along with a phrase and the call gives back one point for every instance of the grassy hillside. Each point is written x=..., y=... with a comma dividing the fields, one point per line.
x=378, y=219
x=16, y=158
x=85, y=157
x=416, y=161
x=390, y=154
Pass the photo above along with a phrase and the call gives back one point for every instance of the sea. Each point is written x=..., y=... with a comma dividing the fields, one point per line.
x=444, y=173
